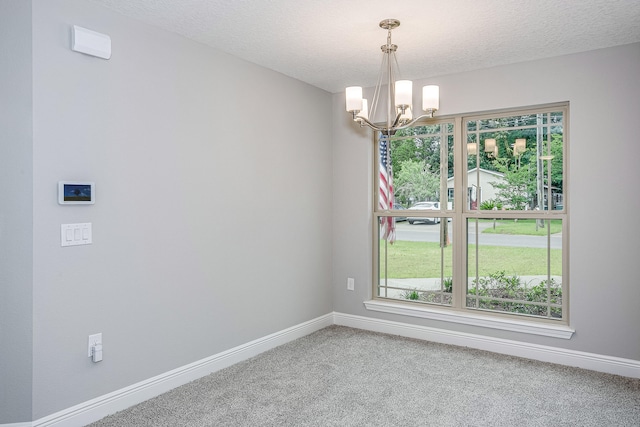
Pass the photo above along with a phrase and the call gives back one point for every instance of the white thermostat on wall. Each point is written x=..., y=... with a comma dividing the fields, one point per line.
x=76, y=193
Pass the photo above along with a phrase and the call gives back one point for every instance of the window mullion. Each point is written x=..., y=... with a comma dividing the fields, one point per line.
x=459, y=196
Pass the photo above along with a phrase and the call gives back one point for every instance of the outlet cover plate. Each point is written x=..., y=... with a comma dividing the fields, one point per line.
x=350, y=283
x=93, y=340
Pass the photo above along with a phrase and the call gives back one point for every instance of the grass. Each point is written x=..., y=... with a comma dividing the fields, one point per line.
x=408, y=259
x=523, y=226
x=417, y=259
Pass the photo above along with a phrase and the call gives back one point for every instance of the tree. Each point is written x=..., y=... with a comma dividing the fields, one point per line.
x=556, y=163
x=415, y=182
x=422, y=144
x=518, y=187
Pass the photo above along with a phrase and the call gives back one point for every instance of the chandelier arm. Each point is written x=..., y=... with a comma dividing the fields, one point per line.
x=370, y=124
x=393, y=128
x=412, y=122
x=396, y=121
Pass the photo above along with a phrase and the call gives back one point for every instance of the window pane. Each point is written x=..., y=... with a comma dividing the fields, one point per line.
x=421, y=160
x=417, y=266
x=525, y=120
x=515, y=162
x=450, y=171
x=515, y=266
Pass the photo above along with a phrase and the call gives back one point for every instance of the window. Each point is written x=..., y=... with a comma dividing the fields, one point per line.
x=479, y=223
x=420, y=160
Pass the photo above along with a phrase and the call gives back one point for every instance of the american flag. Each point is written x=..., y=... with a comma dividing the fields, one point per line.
x=387, y=224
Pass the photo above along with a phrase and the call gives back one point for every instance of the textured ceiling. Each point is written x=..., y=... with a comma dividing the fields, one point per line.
x=336, y=43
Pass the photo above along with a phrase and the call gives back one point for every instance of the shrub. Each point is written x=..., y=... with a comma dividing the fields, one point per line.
x=448, y=284
x=494, y=289
x=491, y=204
x=413, y=295
x=500, y=292
x=499, y=285
x=539, y=293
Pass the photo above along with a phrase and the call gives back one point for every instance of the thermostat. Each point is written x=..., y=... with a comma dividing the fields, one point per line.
x=76, y=193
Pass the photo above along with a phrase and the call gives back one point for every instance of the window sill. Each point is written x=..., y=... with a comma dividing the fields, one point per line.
x=514, y=325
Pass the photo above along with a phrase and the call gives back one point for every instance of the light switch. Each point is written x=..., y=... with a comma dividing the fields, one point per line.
x=75, y=234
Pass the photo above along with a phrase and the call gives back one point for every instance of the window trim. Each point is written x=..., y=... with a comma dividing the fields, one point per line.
x=469, y=317
x=458, y=313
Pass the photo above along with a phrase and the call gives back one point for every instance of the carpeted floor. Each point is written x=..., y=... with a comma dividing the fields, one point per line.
x=340, y=376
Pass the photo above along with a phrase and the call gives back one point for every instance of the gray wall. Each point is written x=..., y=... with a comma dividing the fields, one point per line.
x=604, y=93
x=16, y=196
x=212, y=223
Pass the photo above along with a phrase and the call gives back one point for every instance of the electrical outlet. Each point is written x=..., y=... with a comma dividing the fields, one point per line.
x=93, y=340
x=350, y=283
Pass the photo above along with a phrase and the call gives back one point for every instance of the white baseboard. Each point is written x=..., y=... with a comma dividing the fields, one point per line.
x=579, y=359
x=93, y=410
x=102, y=406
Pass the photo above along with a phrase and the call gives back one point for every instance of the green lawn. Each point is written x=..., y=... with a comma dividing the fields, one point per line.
x=423, y=259
x=522, y=226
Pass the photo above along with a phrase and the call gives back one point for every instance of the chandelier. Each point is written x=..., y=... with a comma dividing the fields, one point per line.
x=399, y=114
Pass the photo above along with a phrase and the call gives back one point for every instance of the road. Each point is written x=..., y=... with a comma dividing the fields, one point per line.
x=425, y=232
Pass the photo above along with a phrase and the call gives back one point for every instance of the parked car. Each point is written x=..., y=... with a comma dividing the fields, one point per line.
x=424, y=206
x=398, y=208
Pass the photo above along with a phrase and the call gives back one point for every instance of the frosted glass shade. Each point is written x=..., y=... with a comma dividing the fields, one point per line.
x=431, y=97
x=472, y=148
x=404, y=93
x=364, y=113
x=354, y=98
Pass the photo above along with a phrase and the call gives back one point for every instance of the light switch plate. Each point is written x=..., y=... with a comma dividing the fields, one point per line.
x=76, y=234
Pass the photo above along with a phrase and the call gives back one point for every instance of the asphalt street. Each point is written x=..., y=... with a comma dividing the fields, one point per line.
x=427, y=232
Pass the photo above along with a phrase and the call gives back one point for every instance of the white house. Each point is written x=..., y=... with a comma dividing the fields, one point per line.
x=480, y=186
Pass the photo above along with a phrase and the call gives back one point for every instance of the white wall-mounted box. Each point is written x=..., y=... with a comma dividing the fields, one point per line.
x=90, y=42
